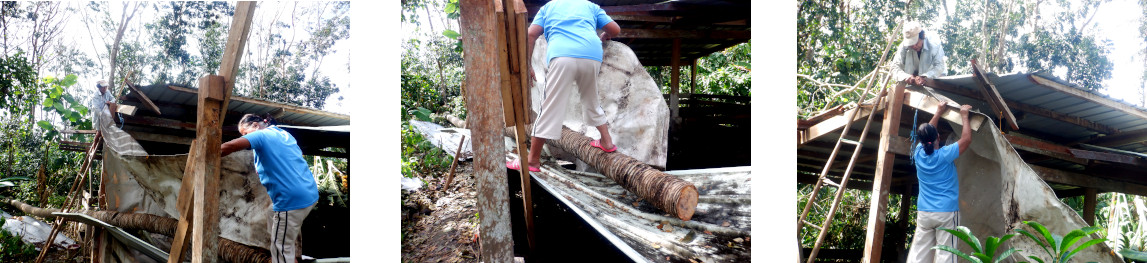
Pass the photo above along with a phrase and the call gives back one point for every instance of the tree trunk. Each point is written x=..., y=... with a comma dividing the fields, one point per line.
x=666, y=192
x=229, y=250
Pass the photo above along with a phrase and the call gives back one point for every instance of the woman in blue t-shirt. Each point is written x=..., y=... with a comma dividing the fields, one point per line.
x=938, y=205
x=287, y=177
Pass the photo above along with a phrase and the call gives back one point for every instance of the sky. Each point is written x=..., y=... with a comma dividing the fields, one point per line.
x=334, y=65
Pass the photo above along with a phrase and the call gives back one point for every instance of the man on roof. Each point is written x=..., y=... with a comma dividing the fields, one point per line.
x=574, y=56
x=920, y=57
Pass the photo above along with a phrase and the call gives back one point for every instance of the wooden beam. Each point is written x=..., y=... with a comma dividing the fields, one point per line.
x=181, y=239
x=1101, y=100
x=681, y=33
x=911, y=98
x=874, y=237
x=675, y=83
x=79, y=131
x=1023, y=107
x=988, y=89
x=164, y=138
x=233, y=51
x=928, y=104
x=1090, y=181
x=511, y=22
x=643, y=18
x=486, y=121
x=1089, y=205
x=624, y=9
x=143, y=98
x=1120, y=139
x=693, y=76
x=1043, y=147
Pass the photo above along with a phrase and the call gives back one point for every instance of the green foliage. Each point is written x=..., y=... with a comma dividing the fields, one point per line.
x=1059, y=248
x=71, y=111
x=1131, y=254
x=12, y=249
x=981, y=253
x=420, y=158
x=725, y=72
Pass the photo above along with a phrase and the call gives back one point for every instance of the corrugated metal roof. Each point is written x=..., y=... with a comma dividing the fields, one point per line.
x=294, y=115
x=1021, y=88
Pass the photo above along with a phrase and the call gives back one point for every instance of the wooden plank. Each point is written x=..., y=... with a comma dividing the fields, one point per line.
x=642, y=33
x=1032, y=109
x=1101, y=100
x=79, y=131
x=874, y=237
x=1089, y=181
x=143, y=98
x=1107, y=157
x=693, y=76
x=205, y=215
x=183, y=205
x=988, y=89
x=515, y=40
x=233, y=51
x=643, y=18
x=285, y=107
x=164, y=138
x=486, y=121
x=911, y=98
x=928, y=104
x=504, y=58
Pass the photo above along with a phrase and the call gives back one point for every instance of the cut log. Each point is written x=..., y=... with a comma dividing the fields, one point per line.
x=229, y=251
x=666, y=192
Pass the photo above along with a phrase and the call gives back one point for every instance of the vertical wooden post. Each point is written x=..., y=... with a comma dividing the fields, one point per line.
x=675, y=82
x=1089, y=197
x=874, y=239
x=486, y=121
x=693, y=78
x=233, y=52
x=209, y=134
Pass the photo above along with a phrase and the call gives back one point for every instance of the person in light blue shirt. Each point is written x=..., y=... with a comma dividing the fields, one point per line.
x=287, y=177
x=938, y=205
x=573, y=58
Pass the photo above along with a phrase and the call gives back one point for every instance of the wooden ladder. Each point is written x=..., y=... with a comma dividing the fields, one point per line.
x=824, y=180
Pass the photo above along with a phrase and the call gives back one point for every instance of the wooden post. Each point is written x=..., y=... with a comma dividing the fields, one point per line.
x=486, y=121
x=693, y=78
x=180, y=240
x=675, y=82
x=512, y=24
x=233, y=52
x=1089, y=197
x=874, y=239
x=205, y=211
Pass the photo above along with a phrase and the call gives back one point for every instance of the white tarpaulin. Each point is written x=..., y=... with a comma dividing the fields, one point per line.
x=34, y=231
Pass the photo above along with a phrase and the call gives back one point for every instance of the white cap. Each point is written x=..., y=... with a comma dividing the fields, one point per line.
x=911, y=33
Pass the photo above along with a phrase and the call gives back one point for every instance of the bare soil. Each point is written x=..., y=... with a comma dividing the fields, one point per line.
x=438, y=223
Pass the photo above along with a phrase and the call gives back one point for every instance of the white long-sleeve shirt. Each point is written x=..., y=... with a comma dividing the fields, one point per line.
x=930, y=62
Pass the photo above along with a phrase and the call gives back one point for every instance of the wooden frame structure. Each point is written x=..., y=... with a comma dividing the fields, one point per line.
x=1072, y=166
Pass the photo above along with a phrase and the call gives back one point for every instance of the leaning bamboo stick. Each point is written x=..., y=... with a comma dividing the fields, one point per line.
x=454, y=165
x=666, y=192
x=229, y=251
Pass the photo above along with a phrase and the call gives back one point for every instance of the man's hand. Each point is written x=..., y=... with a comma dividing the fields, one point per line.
x=964, y=109
x=941, y=108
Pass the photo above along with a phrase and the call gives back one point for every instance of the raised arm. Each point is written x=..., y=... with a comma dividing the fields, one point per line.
x=611, y=30
x=935, y=122
x=966, y=131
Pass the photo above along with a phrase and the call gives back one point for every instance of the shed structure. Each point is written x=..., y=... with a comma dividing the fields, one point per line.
x=1078, y=142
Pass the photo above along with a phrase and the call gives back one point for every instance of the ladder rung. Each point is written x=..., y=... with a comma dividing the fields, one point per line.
x=807, y=223
x=849, y=141
x=830, y=182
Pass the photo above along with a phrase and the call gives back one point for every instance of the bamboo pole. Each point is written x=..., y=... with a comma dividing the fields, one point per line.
x=669, y=193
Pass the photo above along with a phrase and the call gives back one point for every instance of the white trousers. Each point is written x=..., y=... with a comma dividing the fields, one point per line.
x=285, y=227
x=928, y=235
x=562, y=74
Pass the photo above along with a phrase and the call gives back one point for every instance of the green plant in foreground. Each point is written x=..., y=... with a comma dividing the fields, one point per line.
x=981, y=254
x=12, y=249
x=1058, y=248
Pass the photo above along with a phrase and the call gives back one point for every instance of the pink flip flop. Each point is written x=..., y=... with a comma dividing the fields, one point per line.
x=515, y=166
x=597, y=143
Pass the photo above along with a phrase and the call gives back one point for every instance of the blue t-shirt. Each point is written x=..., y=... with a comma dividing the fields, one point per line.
x=570, y=28
x=939, y=187
x=282, y=169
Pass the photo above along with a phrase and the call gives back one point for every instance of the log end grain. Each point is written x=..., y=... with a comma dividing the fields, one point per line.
x=687, y=202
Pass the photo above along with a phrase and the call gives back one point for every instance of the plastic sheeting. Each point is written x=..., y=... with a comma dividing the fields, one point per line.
x=139, y=183
x=34, y=231
x=444, y=138
x=636, y=112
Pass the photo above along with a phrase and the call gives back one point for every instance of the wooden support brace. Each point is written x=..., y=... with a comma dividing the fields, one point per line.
x=233, y=52
x=882, y=181
x=675, y=83
x=180, y=240
x=143, y=97
x=1089, y=197
x=999, y=107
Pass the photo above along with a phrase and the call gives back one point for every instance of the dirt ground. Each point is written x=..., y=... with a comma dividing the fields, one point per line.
x=438, y=225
